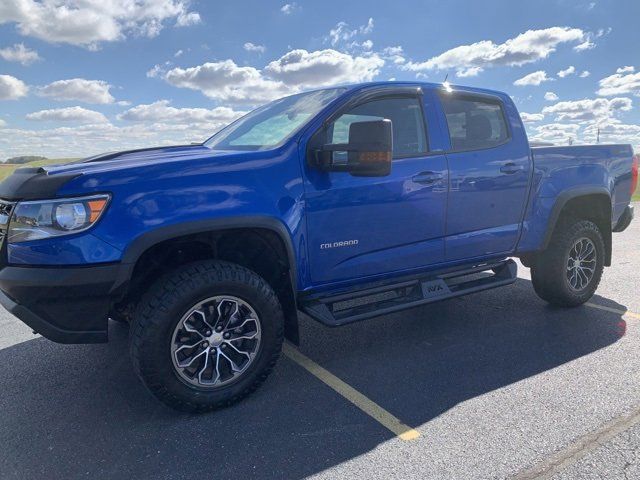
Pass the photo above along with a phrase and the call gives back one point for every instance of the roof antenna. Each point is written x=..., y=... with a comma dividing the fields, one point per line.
x=446, y=84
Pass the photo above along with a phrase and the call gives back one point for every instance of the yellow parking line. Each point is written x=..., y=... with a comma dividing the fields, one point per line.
x=614, y=310
x=369, y=407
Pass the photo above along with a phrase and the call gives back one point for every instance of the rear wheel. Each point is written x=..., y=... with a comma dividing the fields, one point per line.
x=206, y=335
x=568, y=272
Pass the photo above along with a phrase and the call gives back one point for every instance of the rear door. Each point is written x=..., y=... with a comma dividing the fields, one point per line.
x=489, y=170
x=363, y=226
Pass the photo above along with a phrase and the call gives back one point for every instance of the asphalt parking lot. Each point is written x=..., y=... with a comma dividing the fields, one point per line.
x=492, y=385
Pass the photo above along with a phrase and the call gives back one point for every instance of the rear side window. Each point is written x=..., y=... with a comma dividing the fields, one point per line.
x=474, y=123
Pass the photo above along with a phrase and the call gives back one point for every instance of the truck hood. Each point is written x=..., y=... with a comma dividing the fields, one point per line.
x=135, y=158
x=32, y=183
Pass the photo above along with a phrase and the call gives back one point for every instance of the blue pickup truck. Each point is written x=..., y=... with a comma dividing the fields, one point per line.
x=343, y=203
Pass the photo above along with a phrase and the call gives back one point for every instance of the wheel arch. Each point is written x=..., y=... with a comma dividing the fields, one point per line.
x=587, y=203
x=201, y=233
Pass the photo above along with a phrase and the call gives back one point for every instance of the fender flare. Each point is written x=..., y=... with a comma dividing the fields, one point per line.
x=150, y=238
x=563, y=198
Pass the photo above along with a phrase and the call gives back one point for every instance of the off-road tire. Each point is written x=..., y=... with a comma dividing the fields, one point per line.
x=549, y=268
x=163, y=306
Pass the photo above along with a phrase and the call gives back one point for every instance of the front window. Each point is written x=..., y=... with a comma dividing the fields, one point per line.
x=270, y=125
x=405, y=113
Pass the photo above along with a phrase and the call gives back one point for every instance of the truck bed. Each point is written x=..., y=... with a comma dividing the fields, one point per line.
x=584, y=165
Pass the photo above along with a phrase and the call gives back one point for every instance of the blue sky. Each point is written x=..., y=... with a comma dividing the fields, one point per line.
x=83, y=76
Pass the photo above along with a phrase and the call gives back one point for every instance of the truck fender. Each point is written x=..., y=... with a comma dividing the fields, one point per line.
x=561, y=201
x=147, y=240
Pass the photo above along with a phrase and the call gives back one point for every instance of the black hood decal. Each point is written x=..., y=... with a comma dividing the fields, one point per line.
x=33, y=183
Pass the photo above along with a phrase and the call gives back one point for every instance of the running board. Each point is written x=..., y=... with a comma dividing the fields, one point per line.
x=372, y=302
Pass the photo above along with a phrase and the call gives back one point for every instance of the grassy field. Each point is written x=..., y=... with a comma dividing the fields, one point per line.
x=7, y=169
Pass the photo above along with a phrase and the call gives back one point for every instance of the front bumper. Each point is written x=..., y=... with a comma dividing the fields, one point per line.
x=64, y=304
x=625, y=219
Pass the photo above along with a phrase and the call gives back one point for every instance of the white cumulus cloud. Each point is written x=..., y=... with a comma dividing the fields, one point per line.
x=343, y=33
x=393, y=54
x=252, y=47
x=588, y=110
x=156, y=71
x=19, y=53
x=528, y=47
x=12, y=88
x=227, y=81
x=69, y=114
x=557, y=133
x=289, y=8
x=89, y=139
x=468, y=72
x=565, y=128
x=613, y=132
x=531, y=117
x=535, y=78
x=186, y=19
x=567, y=71
x=300, y=68
x=78, y=89
x=295, y=70
x=625, y=81
x=161, y=111
x=586, y=45
x=89, y=22
x=550, y=97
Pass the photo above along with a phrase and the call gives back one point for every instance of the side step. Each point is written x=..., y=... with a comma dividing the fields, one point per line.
x=372, y=302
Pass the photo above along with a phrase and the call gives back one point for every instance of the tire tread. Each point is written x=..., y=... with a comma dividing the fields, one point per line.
x=168, y=291
x=548, y=269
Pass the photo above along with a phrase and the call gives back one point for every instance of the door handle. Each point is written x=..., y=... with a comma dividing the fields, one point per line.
x=428, y=178
x=510, y=168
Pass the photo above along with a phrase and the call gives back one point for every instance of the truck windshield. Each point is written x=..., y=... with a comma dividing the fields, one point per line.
x=272, y=124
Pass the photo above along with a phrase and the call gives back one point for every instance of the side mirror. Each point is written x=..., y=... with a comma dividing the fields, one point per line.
x=368, y=153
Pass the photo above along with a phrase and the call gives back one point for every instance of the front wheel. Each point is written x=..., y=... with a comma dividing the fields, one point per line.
x=568, y=272
x=206, y=335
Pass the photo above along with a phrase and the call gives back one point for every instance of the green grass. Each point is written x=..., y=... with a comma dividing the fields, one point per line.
x=7, y=169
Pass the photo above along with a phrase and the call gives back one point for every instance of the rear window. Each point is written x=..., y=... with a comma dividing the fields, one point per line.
x=474, y=123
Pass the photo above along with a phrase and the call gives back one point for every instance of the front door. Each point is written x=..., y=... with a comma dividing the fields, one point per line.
x=364, y=226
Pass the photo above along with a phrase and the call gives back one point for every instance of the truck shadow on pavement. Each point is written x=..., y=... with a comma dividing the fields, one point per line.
x=79, y=411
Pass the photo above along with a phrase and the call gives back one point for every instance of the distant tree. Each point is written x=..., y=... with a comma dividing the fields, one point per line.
x=24, y=159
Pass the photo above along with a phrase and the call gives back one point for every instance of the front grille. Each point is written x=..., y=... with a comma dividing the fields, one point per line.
x=6, y=209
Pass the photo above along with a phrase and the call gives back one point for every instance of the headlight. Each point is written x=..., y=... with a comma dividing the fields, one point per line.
x=53, y=218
